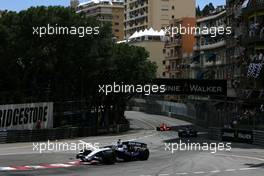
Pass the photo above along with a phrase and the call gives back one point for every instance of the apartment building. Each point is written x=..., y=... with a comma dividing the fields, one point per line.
x=111, y=11
x=74, y=3
x=153, y=41
x=209, y=60
x=178, y=49
x=241, y=64
x=245, y=47
x=142, y=14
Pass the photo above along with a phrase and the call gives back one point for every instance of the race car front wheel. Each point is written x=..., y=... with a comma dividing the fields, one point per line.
x=144, y=155
x=109, y=158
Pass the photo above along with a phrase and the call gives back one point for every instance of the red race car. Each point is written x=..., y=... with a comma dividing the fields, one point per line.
x=163, y=127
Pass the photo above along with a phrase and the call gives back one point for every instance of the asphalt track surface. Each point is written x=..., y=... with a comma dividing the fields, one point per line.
x=242, y=160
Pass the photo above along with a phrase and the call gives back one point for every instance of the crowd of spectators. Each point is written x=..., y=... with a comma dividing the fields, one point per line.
x=257, y=58
x=256, y=29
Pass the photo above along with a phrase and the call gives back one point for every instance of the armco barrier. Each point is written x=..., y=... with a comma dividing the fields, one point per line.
x=3, y=136
x=258, y=137
x=215, y=133
x=12, y=136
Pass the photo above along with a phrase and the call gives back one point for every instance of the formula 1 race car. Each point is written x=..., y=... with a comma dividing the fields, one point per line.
x=123, y=151
x=104, y=155
x=187, y=132
x=163, y=127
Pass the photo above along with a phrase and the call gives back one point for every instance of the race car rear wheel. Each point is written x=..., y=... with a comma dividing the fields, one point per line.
x=144, y=155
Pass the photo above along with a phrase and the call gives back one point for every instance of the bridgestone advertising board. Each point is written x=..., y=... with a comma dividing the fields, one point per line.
x=26, y=116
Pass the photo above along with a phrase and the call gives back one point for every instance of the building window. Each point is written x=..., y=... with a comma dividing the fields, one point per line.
x=172, y=16
x=172, y=7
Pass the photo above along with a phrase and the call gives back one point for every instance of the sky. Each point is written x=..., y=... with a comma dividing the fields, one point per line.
x=17, y=5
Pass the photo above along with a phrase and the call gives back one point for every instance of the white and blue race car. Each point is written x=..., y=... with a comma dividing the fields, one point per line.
x=123, y=151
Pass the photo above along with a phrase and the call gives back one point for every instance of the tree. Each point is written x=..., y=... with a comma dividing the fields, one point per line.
x=65, y=67
x=207, y=9
x=198, y=11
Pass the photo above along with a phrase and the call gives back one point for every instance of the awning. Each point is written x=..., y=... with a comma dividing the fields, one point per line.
x=148, y=32
x=200, y=75
x=196, y=58
x=211, y=57
x=259, y=47
x=245, y=4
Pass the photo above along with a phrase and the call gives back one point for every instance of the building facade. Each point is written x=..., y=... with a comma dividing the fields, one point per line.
x=153, y=42
x=209, y=60
x=111, y=11
x=178, y=50
x=245, y=48
x=142, y=14
x=243, y=61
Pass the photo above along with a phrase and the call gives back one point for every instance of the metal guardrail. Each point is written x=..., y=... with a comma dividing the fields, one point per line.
x=12, y=136
x=215, y=133
x=258, y=137
x=3, y=136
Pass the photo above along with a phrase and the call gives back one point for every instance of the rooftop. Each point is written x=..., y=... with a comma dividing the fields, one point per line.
x=107, y=2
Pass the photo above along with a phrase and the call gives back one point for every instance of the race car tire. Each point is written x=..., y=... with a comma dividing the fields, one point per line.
x=180, y=134
x=195, y=134
x=158, y=128
x=109, y=158
x=144, y=155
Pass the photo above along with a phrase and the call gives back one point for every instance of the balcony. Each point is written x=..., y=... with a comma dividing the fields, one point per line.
x=173, y=57
x=247, y=39
x=172, y=44
x=254, y=6
x=219, y=62
x=195, y=65
x=209, y=64
x=210, y=46
x=196, y=48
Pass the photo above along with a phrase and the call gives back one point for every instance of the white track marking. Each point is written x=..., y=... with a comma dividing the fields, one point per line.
x=208, y=172
x=240, y=156
x=248, y=168
x=37, y=167
x=7, y=168
x=215, y=171
x=230, y=170
x=200, y=172
x=183, y=173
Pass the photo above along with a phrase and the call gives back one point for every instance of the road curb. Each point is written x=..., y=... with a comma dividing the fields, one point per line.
x=41, y=166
